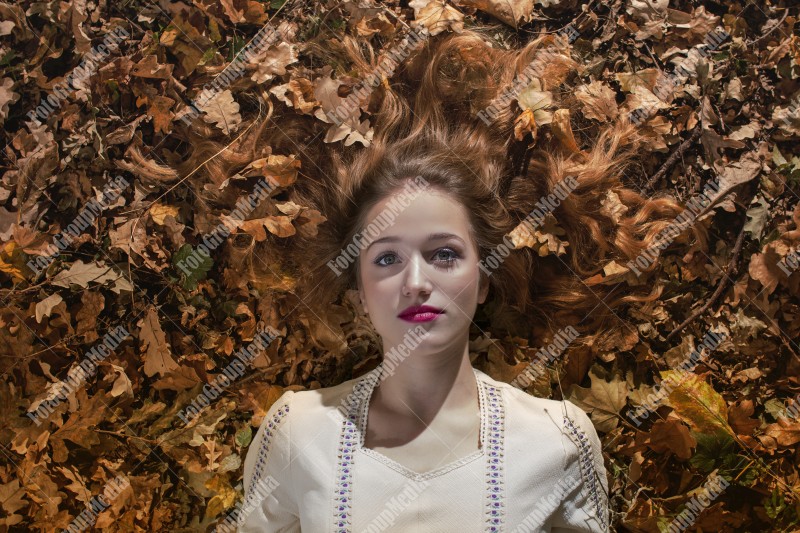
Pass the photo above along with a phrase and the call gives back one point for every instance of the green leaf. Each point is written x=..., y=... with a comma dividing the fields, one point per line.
x=188, y=259
x=710, y=450
x=244, y=436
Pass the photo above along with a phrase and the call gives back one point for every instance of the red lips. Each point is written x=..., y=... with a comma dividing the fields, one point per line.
x=416, y=309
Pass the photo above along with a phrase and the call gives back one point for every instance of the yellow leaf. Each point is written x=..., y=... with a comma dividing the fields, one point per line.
x=158, y=212
x=11, y=253
x=696, y=402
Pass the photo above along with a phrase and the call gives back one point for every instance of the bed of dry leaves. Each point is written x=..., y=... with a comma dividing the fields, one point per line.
x=735, y=117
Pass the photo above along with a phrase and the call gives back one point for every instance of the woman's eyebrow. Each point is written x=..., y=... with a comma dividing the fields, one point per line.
x=431, y=237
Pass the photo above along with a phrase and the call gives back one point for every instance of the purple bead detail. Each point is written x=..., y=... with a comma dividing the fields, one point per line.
x=261, y=458
x=587, y=468
x=493, y=439
x=261, y=461
x=350, y=436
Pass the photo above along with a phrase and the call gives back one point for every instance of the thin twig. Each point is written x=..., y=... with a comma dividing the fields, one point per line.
x=670, y=162
x=729, y=274
x=785, y=14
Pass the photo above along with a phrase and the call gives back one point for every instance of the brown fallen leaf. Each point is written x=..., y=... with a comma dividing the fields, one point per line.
x=785, y=431
x=157, y=356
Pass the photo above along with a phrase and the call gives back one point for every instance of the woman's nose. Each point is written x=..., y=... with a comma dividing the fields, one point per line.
x=416, y=279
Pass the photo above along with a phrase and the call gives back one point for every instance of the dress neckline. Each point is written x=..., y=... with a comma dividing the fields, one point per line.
x=363, y=414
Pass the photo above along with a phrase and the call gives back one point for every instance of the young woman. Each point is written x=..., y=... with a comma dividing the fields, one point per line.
x=425, y=441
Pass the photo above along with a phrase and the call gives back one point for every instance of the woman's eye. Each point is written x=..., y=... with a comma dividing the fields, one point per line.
x=391, y=255
x=443, y=255
x=446, y=255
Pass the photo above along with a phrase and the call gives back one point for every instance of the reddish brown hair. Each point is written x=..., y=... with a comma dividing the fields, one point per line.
x=425, y=124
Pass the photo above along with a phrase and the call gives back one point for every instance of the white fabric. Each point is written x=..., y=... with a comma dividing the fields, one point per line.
x=548, y=476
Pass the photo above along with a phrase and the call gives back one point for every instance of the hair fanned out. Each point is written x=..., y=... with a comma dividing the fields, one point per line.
x=426, y=123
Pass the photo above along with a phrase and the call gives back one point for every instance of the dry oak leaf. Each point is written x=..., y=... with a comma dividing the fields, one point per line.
x=44, y=307
x=598, y=101
x=562, y=130
x=437, y=16
x=7, y=97
x=280, y=169
x=149, y=67
x=512, y=13
x=786, y=431
x=11, y=496
x=298, y=93
x=91, y=412
x=787, y=118
x=81, y=274
x=274, y=61
x=544, y=242
x=222, y=111
x=277, y=225
x=159, y=108
x=158, y=212
x=157, y=356
x=603, y=400
x=671, y=435
x=739, y=417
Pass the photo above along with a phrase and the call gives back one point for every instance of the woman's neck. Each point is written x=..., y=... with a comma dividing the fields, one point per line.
x=422, y=385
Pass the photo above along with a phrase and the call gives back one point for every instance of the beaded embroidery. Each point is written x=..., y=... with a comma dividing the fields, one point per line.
x=349, y=438
x=492, y=439
x=587, y=467
x=261, y=460
x=494, y=507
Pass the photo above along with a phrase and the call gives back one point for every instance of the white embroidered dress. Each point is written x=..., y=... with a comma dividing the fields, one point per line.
x=539, y=468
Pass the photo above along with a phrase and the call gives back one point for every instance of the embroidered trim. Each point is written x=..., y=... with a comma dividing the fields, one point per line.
x=261, y=459
x=494, y=506
x=492, y=411
x=348, y=439
x=587, y=467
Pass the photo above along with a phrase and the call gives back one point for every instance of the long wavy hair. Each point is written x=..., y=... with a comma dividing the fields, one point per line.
x=425, y=120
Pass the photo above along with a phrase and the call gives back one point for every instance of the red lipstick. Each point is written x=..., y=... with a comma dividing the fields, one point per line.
x=420, y=313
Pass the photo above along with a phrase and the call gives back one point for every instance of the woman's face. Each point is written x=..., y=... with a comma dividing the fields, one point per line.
x=404, y=267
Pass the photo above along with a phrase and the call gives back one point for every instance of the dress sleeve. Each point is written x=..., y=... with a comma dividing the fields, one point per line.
x=584, y=506
x=269, y=505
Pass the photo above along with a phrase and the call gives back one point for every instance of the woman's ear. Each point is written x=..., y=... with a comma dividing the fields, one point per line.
x=483, y=290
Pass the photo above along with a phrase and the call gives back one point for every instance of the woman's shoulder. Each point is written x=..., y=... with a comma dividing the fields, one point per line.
x=313, y=410
x=565, y=417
